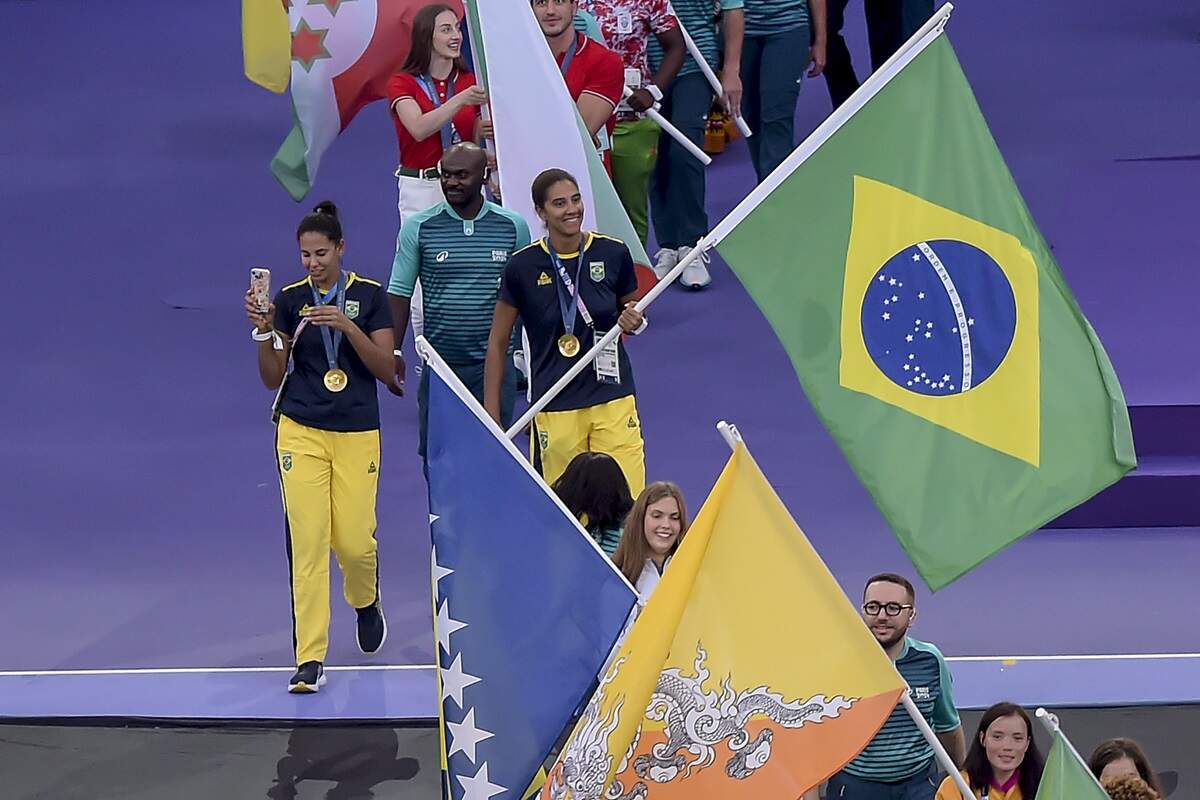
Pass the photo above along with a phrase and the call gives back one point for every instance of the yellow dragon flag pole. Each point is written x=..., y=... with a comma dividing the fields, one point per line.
x=748, y=675
x=266, y=43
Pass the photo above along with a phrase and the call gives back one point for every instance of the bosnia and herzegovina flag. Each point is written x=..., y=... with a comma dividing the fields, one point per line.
x=339, y=56
x=748, y=674
x=528, y=608
x=927, y=320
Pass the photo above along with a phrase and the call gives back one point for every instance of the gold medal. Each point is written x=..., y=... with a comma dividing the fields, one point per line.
x=568, y=345
x=336, y=380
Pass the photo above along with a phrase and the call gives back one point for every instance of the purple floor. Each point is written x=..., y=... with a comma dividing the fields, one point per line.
x=141, y=522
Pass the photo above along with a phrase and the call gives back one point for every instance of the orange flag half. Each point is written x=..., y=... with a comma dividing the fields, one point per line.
x=748, y=675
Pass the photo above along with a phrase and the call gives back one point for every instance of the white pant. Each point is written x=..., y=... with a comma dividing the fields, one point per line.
x=417, y=195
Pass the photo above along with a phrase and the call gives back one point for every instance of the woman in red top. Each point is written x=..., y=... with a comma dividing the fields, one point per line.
x=435, y=103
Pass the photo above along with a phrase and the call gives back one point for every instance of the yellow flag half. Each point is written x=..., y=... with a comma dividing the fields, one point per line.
x=266, y=43
x=748, y=675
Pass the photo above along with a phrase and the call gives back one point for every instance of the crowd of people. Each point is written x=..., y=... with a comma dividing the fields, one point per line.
x=501, y=307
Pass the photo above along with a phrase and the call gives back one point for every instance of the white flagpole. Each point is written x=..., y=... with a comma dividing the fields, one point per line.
x=712, y=79
x=733, y=438
x=928, y=33
x=675, y=133
x=1050, y=721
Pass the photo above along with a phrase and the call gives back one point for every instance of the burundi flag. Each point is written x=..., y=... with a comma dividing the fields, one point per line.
x=1066, y=777
x=537, y=124
x=342, y=54
x=527, y=607
x=748, y=675
x=927, y=319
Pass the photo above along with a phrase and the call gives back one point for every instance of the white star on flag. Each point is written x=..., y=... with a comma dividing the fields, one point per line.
x=479, y=787
x=928, y=334
x=891, y=281
x=920, y=295
x=447, y=626
x=886, y=315
x=945, y=377
x=464, y=736
x=916, y=256
x=906, y=367
x=882, y=278
x=895, y=299
x=971, y=321
x=908, y=338
x=454, y=680
x=439, y=571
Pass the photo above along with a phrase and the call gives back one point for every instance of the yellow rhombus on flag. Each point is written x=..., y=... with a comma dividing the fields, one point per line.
x=748, y=674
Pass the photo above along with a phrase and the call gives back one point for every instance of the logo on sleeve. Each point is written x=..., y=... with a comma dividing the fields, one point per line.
x=596, y=270
x=543, y=280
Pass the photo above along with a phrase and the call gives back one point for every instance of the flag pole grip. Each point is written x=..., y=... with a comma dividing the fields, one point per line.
x=939, y=750
x=673, y=132
x=717, y=88
x=587, y=358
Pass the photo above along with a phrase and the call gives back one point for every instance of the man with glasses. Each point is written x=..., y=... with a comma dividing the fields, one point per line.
x=899, y=764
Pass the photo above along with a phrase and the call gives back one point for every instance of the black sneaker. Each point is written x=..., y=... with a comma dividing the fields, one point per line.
x=372, y=628
x=309, y=678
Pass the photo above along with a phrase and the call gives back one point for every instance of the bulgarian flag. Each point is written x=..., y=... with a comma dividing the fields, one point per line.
x=537, y=125
x=342, y=54
x=748, y=675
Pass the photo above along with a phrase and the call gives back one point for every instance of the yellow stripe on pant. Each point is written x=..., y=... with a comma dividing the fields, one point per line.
x=329, y=481
x=613, y=428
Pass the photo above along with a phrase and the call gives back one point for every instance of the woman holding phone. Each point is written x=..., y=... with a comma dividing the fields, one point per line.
x=323, y=343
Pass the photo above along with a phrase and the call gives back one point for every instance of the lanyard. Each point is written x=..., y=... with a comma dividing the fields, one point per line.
x=331, y=339
x=569, y=56
x=572, y=302
x=449, y=134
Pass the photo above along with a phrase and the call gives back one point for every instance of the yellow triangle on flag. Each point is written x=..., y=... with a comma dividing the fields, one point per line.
x=748, y=675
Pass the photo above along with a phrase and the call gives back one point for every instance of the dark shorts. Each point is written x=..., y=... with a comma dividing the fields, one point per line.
x=922, y=786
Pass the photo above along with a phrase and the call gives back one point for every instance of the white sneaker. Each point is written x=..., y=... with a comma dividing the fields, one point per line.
x=665, y=261
x=695, y=275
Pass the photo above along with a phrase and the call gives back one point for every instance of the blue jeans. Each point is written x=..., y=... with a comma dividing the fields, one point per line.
x=472, y=376
x=922, y=786
x=772, y=67
x=677, y=185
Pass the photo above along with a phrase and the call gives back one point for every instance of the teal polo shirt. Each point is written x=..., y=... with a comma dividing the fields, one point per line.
x=460, y=263
x=899, y=751
x=696, y=17
x=765, y=17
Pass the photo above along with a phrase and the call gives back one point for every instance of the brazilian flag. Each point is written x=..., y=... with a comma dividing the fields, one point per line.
x=927, y=320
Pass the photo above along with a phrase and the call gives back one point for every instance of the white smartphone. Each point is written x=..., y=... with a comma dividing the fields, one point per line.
x=260, y=285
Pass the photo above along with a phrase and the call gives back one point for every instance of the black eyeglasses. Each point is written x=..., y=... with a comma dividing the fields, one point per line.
x=873, y=608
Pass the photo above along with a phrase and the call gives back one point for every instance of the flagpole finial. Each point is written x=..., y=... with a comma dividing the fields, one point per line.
x=1048, y=719
x=730, y=433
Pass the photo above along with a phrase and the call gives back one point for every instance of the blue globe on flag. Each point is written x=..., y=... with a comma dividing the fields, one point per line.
x=939, y=317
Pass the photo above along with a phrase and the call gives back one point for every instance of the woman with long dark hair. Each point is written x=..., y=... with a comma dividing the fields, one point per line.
x=594, y=489
x=569, y=289
x=1116, y=757
x=434, y=103
x=1003, y=762
x=654, y=530
x=322, y=344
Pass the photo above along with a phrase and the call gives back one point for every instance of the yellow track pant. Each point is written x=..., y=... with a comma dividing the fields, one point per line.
x=329, y=481
x=613, y=428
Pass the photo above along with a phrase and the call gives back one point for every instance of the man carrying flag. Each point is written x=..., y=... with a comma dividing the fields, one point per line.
x=899, y=762
x=593, y=73
x=748, y=674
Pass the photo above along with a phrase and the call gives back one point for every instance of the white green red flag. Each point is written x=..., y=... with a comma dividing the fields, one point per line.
x=342, y=54
x=536, y=123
